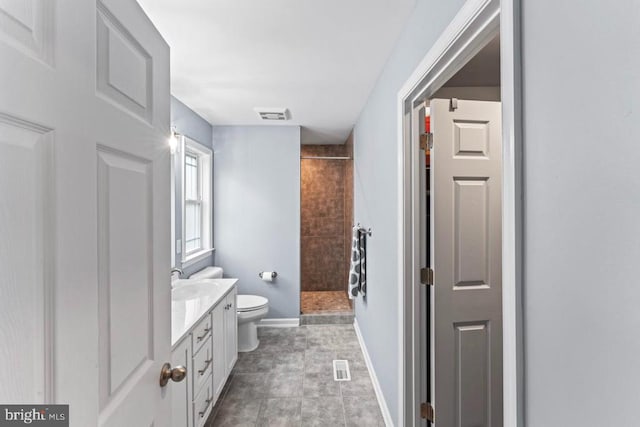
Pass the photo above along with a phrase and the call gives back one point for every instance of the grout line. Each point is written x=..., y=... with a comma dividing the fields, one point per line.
x=344, y=412
x=221, y=399
x=304, y=370
x=262, y=402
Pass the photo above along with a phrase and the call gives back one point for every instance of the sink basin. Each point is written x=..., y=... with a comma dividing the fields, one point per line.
x=191, y=299
x=191, y=289
x=180, y=282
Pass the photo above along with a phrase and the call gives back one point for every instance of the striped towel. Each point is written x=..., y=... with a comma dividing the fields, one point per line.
x=357, y=274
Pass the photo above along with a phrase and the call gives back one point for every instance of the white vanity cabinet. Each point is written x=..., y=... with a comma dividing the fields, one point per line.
x=180, y=392
x=225, y=329
x=219, y=369
x=202, y=365
x=209, y=350
x=231, y=332
x=201, y=382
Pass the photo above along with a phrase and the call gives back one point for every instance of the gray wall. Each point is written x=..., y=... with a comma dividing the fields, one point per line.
x=471, y=93
x=257, y=211
x=376, y=193
x=582, y=234
x=582, y=209
x=188, y=123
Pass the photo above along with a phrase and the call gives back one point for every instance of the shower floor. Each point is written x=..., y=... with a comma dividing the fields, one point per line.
x=316, y=302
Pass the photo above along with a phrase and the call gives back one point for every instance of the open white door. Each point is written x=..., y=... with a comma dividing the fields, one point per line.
x=84, y=210
x=467, y=262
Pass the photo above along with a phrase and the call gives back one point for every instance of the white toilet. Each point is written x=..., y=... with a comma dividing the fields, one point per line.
x=251, y=309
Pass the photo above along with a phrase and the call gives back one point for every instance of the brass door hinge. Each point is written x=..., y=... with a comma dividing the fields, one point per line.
x=427, y=412
x=426, y=276
x=426, y=141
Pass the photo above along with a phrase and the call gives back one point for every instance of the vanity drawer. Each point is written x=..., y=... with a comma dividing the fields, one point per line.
x=202, y=366
x=201, y=332
x=202, y=404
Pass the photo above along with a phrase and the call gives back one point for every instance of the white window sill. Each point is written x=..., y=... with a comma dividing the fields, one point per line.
x=195, y=257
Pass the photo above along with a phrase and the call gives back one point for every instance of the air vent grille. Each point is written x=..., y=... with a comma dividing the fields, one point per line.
x=341, y=370
x=273, y=114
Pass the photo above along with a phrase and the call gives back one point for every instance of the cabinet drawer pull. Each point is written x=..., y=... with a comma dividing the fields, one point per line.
x=204, y=411
x=206, y=366
x=206, y=331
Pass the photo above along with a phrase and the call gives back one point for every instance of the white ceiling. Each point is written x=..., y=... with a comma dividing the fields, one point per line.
x=319, y=58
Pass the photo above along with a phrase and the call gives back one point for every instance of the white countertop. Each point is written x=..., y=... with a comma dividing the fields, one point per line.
x=191, y=300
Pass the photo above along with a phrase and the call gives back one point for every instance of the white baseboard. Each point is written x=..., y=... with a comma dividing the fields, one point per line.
x=386, y=415
x=280, y=323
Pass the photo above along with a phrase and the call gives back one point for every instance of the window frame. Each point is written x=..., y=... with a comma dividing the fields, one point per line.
x=197, y=202
x=204, y=157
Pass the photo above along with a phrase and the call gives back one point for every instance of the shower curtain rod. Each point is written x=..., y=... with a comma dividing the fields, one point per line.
x=324, y=158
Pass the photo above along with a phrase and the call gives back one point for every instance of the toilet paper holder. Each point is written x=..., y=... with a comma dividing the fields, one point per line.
x=274, y=274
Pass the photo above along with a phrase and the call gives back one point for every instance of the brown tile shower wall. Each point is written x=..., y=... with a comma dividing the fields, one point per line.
x=325, y=219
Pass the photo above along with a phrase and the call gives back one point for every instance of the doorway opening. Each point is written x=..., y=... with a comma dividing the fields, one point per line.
x=326, y=185
x=483, y=224
x=460, y=329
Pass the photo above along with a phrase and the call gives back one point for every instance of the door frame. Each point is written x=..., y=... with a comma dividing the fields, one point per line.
x=474, y=25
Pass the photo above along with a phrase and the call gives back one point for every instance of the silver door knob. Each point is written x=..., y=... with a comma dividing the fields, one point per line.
x=176, y=374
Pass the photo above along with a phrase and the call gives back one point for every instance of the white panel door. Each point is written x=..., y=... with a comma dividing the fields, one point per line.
x=467, y=262
x=84, y=210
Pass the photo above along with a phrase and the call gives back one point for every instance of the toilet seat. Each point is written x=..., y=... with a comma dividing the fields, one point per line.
x=246, y=303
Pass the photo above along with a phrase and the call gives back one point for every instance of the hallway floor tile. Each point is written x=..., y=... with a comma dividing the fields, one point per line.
x=288, y=381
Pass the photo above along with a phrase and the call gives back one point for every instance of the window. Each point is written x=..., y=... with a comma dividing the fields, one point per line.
x=192, y=204
x=196, y=201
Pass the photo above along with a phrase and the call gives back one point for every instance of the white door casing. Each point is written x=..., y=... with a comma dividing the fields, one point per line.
x=467, y=261
x=84, y=210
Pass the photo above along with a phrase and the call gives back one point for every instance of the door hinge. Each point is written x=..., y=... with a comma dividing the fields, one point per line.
x=453, y=104
x=426, y=141
x=427, y=412
x=426, y=276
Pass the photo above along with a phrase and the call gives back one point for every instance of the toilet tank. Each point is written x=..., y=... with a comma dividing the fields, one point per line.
x=208, y=273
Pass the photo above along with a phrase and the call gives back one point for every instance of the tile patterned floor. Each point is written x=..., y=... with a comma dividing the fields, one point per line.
x=288, y=381
x=313, y=302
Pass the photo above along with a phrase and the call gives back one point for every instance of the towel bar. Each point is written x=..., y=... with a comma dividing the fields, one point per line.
x=362, y=229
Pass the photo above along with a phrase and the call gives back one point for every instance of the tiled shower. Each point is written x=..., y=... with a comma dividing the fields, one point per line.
x=327, y=216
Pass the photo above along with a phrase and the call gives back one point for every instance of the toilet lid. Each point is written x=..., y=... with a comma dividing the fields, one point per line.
x=251, y=302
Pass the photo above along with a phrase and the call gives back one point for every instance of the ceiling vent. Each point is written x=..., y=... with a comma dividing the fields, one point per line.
x=273, y=114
